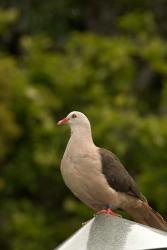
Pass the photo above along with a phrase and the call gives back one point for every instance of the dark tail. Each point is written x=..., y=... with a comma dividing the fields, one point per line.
x=146, y=215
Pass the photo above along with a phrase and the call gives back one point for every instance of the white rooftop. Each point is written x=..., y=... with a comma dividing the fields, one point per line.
x=105, y=232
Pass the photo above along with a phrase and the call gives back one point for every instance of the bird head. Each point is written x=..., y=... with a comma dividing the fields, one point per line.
x=75, y=119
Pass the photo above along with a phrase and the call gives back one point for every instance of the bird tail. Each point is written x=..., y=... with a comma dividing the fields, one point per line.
x=146, y=215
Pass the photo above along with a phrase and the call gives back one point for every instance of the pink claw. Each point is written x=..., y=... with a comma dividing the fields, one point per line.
x=109, y=212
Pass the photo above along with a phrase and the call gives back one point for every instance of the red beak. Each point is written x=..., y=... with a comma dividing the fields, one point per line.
x=63, y=121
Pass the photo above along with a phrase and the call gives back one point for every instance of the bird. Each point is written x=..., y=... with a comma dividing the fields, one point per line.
x=98, y=178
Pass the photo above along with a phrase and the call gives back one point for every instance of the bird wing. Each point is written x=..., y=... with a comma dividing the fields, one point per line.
x=117, y=176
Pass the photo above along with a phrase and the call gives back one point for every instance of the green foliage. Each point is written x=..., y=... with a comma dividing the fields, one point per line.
x=7, y=18
x=119, y=81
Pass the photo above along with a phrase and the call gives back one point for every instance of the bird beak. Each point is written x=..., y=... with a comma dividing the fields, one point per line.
x=63, y=121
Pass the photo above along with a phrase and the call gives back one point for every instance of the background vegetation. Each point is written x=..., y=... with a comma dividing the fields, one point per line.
x=107, y=59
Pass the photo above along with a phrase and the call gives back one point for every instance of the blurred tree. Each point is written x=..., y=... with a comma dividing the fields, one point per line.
x=114, y=70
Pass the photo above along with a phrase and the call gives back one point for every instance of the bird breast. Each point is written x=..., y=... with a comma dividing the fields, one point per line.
x=83, y=176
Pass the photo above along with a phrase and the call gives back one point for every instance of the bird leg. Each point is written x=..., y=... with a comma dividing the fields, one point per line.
x=109, y=212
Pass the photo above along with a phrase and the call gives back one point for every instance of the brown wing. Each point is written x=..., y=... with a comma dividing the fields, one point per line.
x=117, y=176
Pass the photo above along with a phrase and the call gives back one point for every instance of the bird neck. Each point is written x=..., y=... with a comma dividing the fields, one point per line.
x=81, y=135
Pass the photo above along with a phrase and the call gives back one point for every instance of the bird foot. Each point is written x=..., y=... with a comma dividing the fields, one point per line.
x=109, y=212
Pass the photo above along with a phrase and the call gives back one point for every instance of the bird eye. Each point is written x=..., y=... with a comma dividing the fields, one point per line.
x=74, y=116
